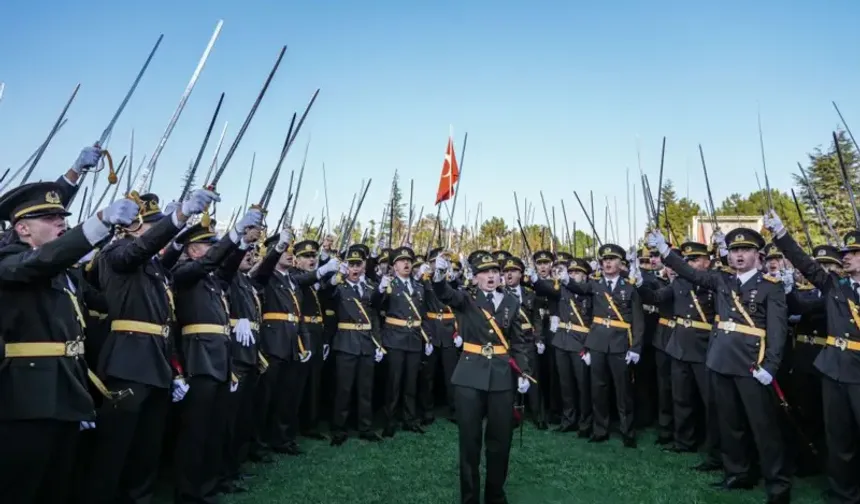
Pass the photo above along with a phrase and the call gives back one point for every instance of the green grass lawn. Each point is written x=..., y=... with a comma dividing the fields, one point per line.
x=549, y=468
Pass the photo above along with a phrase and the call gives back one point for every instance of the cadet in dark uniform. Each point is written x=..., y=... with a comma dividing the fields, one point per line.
x=659, y=327
x=137, y=355
x=442, y=329
x=839, y=360
x=403, y=337
x=306, y=254
x=484, y=380
x=568, y=344
x=284, y=344
x=203, y=315
x=809, y=316
x=692, y=323
x=44, y=401
x=513, y=270
x=356, y=347
x=744, y=356
x=548, y=320
x=245, y=320
x=614, y=342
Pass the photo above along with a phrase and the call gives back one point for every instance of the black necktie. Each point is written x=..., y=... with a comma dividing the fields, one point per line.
x=357, y=291
x=856, y=292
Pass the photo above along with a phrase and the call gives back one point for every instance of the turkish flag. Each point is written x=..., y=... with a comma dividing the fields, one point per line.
x=450, y=174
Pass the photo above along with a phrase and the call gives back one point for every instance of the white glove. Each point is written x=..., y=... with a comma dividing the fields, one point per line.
x=553, y=323
x=285, y=237
x=234, y=386
x=637, y=276
x=384, y=282
x=88, y=158
x=563, y=275
x=378, y=355
x=87, y=425
x=243, y=332
x=306, y=357
x=586, y=358
x=458, y=341
x=522, y=385
x=531, y=274
x=330, y=267
x=762, y=376
x=631, y=257
x=442, y=263
x=454, y=275
x=343, y=269
x=467, y=272
x=719, y=240
x=595, y=266
x=787, y=277
x=252, y=218
x=541, y=348
x=428, y=348
x=180, y=388
x=326, y=350
x=122, y=212
x=774, y=224
x=197, y=201
x=656, y=240
x=631, y=357
x=424, y=269
x=170, y=208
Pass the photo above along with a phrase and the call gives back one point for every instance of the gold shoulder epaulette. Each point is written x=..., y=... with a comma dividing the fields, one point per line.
x=631, y=280
x=804, y=287
x=772, y=279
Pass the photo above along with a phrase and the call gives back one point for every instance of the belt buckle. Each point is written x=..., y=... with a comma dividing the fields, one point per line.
x=165, y=331
x=607, y=322
x=841, y=343
x=686, y=323
x=729, y=326
x=488, y=351
x=74, y=348
x=226, y=330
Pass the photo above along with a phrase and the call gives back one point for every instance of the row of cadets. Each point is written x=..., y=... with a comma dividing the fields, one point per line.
x=744, y=355
x=570, y=328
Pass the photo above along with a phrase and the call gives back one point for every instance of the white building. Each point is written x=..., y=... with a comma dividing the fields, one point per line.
x=702, y=228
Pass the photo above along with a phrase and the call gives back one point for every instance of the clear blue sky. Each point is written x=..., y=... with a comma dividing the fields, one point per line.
x=553, y=95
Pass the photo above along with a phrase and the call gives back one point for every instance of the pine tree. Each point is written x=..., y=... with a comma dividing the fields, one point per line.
x=825, y=176
x=680, y=214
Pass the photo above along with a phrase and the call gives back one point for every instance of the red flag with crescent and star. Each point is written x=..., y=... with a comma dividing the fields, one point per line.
x=450, y=174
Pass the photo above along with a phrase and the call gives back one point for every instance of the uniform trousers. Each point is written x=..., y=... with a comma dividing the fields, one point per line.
x=199, y=443
x=472, y=407
x=240, y=423
x=286, y=380
x=310, y=406
x=401, y=385
x=690, y=387
x=743, y=401
x=575, y=383
x=606, y=368
x=36, y=461
x=353, y=372
x=663, y=365
x=448, y=357
x=122, y=463
x=842, y=428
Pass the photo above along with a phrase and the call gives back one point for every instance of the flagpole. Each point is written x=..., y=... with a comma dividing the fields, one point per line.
x=457, y=191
